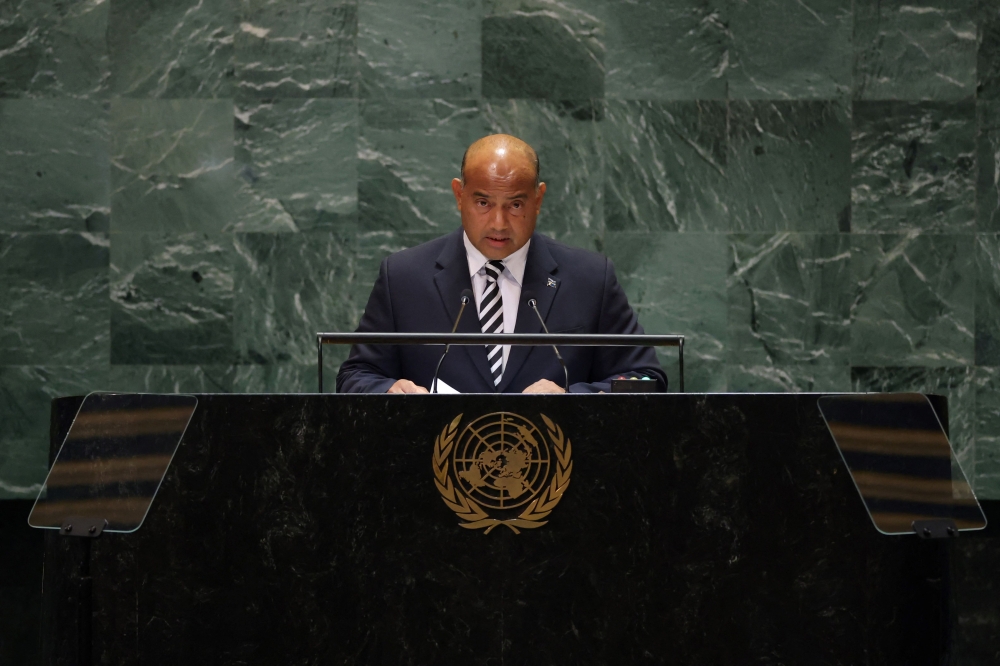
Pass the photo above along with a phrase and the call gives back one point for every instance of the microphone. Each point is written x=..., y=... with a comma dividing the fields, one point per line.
x=533, y=304
x=466, y=297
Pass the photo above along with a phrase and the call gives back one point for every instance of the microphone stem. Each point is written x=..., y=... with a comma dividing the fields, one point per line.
x=545, y=328
x=454, y=328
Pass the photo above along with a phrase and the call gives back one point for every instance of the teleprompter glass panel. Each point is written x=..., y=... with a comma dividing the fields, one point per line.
x=901, y=461
x=113, y=460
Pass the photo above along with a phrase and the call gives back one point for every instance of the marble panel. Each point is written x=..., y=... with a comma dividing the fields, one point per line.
x=53, y=48
x=54, y=165
x=172, y=166
x=171, y=50
x=665, y=50
x=988, y=164
x=987, y=466
x=291, y=377
x=541, y=49
x=676, y=283
x=913, y=301
x=297, y=162
x=171, y=299
x=665, y=166
x=54, y=299
x=26, y=393
x=913, y=167
x=566, y=138
x=171, y=378
x=789, y=300
x=988, y=52
x=789, y=166
x=409, y=151
x=789, y=50
x=290, y=286
x=957, y=384
x=910, y=50
x=988, y=299
x=419, y=48
x=788, y=378
x=296, y=49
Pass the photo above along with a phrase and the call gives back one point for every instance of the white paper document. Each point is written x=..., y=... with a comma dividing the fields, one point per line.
x=443, y=388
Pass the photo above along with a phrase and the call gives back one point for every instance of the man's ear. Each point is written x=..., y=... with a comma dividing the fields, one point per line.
x=456, y=188
x=541, y=195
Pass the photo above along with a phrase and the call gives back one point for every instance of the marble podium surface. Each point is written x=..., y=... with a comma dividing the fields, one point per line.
x=698, y=528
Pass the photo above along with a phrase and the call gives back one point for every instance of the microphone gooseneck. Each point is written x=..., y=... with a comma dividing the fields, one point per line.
x=466, y=299
x=533, y=304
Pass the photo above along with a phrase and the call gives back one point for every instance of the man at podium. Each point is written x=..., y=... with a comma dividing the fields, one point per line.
x=498, y=256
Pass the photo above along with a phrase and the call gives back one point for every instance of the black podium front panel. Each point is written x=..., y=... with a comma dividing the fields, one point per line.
x=695, y=529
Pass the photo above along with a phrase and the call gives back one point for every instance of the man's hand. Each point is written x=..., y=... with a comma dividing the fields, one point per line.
x=544, y=386
x=406, y=386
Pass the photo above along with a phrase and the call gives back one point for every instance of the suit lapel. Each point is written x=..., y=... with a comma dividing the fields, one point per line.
x=539, y=278
x=450, y=280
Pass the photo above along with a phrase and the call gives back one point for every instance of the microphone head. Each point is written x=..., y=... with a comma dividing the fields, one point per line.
x=466, y=296
x=529, y=298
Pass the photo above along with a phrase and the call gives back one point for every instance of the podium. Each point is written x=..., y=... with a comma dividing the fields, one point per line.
x=688, y=528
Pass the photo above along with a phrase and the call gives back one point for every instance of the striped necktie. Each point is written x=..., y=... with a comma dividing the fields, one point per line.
x=491, y=317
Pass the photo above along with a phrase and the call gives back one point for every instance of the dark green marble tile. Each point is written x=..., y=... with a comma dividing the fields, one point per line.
x=54, y=162
x=297, y=161
x=53, y=48
x=987, y=463
x=541, y=50
x=26, y=393
x=291, y=377
x=53, y=299
x=789, y=299
x=296, y=49
x=988, y=163
x=788, y=378
x=176, y=49
x=913, y=300
x=957, y=384
x=914, y=50
x=566, y=138
x=665, y=166
x=988, y=300
x=789, y=50
x=988, y=52
x=419, y=48
x=676, y=283
x=789, y=166
x=913, y=167
x=291, y=286
x=665, y=50
x=172, y=166
x=171, y=299
x=409, y=150
x=171, y=378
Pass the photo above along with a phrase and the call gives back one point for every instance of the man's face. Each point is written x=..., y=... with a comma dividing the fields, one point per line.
x=498, y=201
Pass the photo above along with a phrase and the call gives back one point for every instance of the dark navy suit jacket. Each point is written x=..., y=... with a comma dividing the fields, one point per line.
x=419, y=291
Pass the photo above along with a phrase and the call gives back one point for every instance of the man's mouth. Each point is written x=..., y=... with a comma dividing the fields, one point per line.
x=497, y=240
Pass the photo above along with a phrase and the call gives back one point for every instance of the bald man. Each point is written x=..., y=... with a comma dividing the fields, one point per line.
x=499, y=257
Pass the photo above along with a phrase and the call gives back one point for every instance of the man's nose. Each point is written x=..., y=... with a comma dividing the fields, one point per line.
x=498, y=218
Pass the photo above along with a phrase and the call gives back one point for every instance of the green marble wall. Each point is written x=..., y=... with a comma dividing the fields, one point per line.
x=189, y=189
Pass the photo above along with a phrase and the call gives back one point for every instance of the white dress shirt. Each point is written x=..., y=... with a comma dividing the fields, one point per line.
x=509, y=283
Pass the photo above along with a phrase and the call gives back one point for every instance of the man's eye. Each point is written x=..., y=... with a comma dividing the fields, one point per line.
x=481, y=203
x=516, y=204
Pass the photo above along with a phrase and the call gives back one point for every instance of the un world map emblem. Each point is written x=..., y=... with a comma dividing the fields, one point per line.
x=502, y=469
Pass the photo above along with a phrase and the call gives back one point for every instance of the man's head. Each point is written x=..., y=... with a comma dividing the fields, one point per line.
x=499, y=194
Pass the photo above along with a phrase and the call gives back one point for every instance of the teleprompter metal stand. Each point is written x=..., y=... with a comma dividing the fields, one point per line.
x=902, y=464
x=528, y=339
x=106, y=475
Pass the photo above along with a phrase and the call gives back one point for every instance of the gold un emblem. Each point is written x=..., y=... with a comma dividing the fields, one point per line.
x=502, y=470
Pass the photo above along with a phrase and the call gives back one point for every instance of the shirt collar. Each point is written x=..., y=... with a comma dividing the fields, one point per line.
x=514, y=263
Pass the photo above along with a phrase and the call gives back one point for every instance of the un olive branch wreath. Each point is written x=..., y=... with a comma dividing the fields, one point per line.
x=469, y=511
